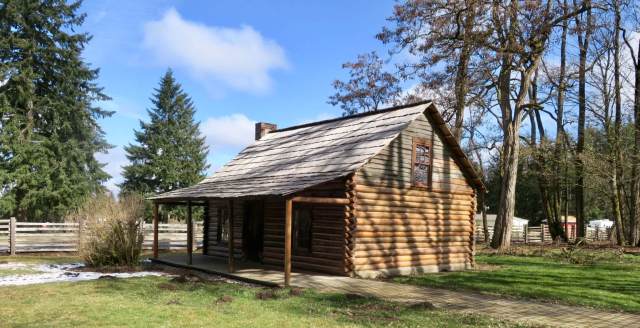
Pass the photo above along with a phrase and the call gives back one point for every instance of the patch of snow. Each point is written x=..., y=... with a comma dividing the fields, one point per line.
x=61, y=273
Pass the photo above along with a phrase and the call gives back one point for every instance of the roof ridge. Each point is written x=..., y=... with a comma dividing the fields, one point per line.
x=376, y=112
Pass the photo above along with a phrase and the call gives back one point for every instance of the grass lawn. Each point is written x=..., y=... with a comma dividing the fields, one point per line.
x=601, y=279
x=50, y=258
x=156, y=301
x=33, y=259
x=17, y=271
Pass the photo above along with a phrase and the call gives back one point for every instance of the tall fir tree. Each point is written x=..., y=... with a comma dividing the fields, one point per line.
x=170, y=152
x=48, y=121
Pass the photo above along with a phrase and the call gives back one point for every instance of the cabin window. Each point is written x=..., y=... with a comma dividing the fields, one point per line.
x=223, y=225
x=302, y=221
x=421, y=164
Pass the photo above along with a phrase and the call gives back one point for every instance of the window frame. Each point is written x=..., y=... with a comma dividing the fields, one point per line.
x=297, y=249
x=425, y=143
x=223, y=211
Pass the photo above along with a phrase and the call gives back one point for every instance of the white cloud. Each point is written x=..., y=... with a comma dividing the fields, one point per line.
x=115, y=159
x=100, y=16
x=237, y=58
x=228, y=133
x=124, y=108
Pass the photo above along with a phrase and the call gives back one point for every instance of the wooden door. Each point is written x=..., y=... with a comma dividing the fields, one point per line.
x=253, y=230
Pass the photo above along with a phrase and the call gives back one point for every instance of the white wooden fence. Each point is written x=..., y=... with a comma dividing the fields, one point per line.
x=4, y=236
x=173, y=236
x=599, y=233
x=541, y=235
x=23, y=237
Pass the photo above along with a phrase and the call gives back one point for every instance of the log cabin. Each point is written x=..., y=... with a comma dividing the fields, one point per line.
x=388, y=192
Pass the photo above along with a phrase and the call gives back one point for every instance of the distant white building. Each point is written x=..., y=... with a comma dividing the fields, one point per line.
x=601, y=223
x=491, y=221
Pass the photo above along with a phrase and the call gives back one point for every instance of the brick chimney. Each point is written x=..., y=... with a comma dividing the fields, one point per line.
x=263, y=128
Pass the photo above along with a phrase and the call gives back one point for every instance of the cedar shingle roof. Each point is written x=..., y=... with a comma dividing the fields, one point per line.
x=289, y=160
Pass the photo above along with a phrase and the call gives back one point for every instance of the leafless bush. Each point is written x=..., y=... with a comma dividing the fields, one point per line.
x=112, y=230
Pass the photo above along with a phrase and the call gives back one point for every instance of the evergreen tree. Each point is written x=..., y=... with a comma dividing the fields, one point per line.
x=170, y=153
x=48, y=123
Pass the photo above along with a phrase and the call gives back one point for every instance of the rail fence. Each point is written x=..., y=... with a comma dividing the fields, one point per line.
x=541, y=235
x=4, y=236
x=24, y=237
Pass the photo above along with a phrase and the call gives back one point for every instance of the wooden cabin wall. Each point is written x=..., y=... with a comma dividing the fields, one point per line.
x=327, y=241
x=403, y=229
x=222, y=250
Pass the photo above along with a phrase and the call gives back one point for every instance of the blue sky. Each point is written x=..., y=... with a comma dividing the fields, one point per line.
x=241, y=62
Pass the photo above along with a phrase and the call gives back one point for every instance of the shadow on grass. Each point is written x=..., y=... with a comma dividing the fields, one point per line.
x=369, y=311
x=604, y=285
x=331, y=308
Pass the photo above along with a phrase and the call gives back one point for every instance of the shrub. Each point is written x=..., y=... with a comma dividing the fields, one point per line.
x=578, y=253
x=574, y=253
x=112, y=230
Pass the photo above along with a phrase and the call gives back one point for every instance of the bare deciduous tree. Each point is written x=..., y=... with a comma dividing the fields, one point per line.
x=368, y=87
x=584, y=28
x=520, y=39
x=443, y=37
x=496, y=58
x=634, y=222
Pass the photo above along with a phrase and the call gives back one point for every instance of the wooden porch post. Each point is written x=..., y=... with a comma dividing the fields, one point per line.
x=205, y=228
x=287, y=241
x=155, y=230
x=12, y=235
x=232, y=264
x=189, y=234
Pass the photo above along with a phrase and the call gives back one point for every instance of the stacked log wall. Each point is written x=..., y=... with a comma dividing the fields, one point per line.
x=405, y=229
x=328, y=232
x=215, y=248
x=328, y=245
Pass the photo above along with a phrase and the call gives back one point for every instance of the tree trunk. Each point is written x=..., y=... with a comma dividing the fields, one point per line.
x=554, y=222
x=617, y=153
x=462, y=72
x=617, y=212
x=506, y=209
x=635, y=220
x=583, y=44
x=540, y=162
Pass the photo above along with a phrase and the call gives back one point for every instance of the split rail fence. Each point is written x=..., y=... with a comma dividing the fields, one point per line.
x=541, y=235
x=24, y=237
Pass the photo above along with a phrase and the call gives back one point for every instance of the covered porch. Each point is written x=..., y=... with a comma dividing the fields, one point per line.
x=226, y=263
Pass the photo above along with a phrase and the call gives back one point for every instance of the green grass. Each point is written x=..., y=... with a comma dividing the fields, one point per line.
x=154, y=302
x=51, y=258
x=34, y=259
x=602, y=279
x=17, y=271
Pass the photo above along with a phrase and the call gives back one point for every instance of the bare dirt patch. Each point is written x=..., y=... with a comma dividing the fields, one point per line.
x=167, y=286
x=267, y=294
x=224, y=299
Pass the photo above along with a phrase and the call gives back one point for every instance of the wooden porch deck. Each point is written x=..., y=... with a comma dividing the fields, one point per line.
x=251, y=272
